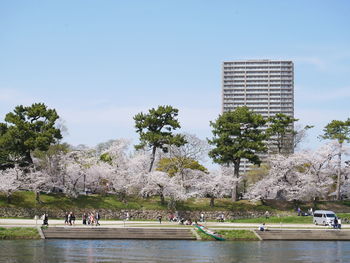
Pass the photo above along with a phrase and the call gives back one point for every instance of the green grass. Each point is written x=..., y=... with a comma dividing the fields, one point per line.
x=19, y=233
x=231, y=235
x=26, y=199
x=238, y=235
x=277, y=220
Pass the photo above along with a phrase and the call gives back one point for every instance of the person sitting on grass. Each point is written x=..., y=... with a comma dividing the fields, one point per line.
x=262, y=227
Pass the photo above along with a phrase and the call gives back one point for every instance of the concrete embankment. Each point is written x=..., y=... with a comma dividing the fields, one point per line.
x=117, y=233
x=320, y=235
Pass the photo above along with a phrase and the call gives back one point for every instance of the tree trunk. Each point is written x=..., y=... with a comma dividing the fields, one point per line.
x=28, y=158
x=153, y=157
x=9, y=197
x=235, y=184
x=172, y=204
x=212, y=201
x=339, y=172
x=162, y=199
x=37, y=197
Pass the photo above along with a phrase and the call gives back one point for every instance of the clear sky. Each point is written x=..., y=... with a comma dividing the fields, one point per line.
x=98, y=63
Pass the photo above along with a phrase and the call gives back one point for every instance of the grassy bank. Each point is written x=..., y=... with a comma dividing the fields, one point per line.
x=26, y=199
x=19, y=233
x=276, y=220
x=283, y=219
x=232, y=235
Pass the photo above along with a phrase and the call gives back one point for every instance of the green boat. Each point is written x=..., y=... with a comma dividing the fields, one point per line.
x=210, y=232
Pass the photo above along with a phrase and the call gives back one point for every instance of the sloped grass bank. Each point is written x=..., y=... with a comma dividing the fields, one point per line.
x=276, y=220
x=58, y=201
x=231, y=235
x=26, y=199
x=19, y=233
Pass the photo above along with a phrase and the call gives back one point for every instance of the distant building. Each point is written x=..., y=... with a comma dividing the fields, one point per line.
x=265, y=86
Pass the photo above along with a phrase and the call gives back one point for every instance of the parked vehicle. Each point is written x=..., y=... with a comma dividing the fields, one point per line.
x=324, y=217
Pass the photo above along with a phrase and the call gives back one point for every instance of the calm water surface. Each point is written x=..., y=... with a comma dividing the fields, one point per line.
x=172, y=251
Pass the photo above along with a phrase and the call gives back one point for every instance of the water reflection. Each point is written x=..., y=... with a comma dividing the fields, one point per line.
x=172, y=251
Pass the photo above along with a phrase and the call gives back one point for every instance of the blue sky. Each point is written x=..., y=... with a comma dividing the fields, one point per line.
x=101, y=62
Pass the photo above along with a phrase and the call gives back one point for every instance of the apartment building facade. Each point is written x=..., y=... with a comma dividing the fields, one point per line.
x=264, y=86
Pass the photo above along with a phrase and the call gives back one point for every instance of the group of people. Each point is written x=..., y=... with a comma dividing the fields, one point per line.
x=220, y=218
x=91, y=219
x=87, y=218
x=176, y=218
x=309, y=212
x=69, y=218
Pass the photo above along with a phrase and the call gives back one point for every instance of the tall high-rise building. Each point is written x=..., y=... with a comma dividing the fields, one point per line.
x=264, y=86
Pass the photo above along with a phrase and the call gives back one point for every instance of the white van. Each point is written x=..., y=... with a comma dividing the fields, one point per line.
x=324, y=217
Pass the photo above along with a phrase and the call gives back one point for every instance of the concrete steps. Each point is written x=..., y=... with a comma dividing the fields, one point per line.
x=326, y=234
x=117, y=233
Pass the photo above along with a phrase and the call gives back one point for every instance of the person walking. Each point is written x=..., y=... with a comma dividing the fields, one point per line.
x=98, y=217
x=45, y=218
x=92, y=219
x=84, y=218
x=159, y=217
x=201, y=219
x=335, y=223
x=127, y=216
x=66, y=218
x=72, y=219
x=339, y=223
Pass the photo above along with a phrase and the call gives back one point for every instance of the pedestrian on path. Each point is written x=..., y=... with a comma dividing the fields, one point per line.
x=45, y=219
x=66, y=218
x=84, y=218
x=97, y=218
x=159, y=217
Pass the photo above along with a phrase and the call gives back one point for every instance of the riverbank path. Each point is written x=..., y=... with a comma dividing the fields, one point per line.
x=5, y=222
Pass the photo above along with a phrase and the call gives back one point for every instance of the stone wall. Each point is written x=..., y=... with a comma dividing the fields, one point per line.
x=134, y=214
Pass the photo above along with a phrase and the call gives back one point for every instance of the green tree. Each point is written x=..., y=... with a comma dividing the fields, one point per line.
x=178, y=165
x=339, y=131
x=237, y=135
x=281, y=132
x=27, y=129
x=155, y=130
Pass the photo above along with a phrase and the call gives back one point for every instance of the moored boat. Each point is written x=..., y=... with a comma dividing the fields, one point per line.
x=209, y=232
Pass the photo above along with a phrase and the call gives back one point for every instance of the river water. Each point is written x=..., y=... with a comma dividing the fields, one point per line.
x=52, y=251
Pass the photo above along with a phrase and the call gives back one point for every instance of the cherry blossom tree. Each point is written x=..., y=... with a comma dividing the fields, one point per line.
x=159, y=183
x=37, y=181
x=9, y=181
x=74, y=167
x=301, y=176
x=215, y=184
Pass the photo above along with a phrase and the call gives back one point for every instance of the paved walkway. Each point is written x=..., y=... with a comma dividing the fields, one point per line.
x=165, y=224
